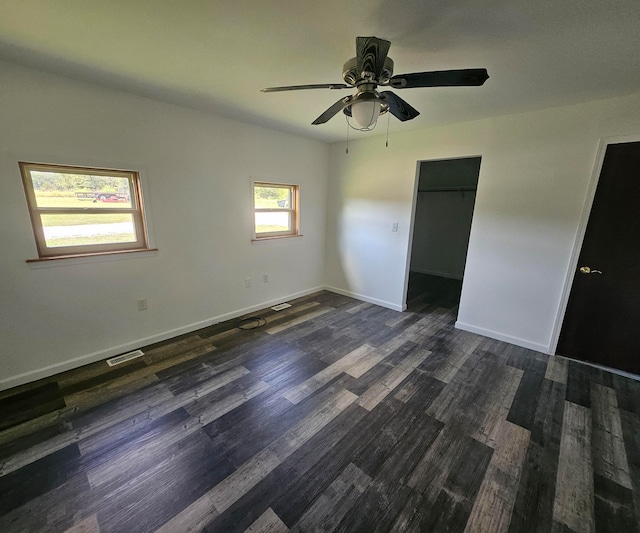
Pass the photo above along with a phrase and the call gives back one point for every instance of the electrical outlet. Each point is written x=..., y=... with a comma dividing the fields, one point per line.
x=265, y=278
x=247, y=282
x=394, y=228
x=142, y=304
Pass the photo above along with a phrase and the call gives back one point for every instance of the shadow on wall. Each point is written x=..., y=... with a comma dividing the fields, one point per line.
x=374, y=250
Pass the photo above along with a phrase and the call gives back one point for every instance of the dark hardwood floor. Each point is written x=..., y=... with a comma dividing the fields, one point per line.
x=337, y=415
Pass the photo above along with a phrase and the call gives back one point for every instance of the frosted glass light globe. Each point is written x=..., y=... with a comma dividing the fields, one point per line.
x=365, y=114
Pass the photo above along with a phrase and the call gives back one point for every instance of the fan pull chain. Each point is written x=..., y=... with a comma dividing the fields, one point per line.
x=388, y=120
x=347, y=150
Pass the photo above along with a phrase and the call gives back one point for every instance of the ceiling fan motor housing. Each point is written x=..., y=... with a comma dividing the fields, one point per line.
x=351, y=75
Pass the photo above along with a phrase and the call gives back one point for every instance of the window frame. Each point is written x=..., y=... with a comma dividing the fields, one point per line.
x=60, y=252
x=293, y=211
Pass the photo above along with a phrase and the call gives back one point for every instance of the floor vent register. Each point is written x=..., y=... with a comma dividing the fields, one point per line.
x=280, y=307
x=125, y=357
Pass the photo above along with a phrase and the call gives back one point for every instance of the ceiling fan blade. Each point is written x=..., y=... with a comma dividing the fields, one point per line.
x=440, y=78
x=300, y=87
x=333, y=110
x=370, y=55
x=398, y=107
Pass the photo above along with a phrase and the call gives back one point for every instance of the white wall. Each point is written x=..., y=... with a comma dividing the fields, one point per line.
x=535, y=171
x=196, y=171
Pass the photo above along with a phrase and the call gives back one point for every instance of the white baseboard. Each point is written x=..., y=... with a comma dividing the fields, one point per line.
x=436, y=273
x=368, y=299
x=70, y=364
x=544, y=348
x=51, y=370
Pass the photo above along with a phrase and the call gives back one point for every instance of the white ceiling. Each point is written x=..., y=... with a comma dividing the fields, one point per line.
x=216, y=55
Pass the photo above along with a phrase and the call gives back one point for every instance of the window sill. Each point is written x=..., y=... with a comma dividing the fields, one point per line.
x=276, y=237
x=78, y=258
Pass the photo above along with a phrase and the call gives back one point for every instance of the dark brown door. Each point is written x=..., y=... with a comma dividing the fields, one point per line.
x=602, y=321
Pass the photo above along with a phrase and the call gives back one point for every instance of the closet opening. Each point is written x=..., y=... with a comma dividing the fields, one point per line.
x=443, y=210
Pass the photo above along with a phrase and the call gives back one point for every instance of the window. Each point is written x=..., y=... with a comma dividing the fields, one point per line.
x=84, y=211
x=275, y=210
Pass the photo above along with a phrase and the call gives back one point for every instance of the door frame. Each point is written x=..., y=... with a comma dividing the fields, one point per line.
x=414, y=203
x=603, y=144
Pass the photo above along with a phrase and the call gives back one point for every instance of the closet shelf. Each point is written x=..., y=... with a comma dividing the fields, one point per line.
x=448, y=189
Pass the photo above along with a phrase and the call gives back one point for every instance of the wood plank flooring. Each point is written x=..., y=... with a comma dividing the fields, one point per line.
x=337, y=415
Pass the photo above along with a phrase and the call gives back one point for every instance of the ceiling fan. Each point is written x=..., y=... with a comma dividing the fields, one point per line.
x=372, y=68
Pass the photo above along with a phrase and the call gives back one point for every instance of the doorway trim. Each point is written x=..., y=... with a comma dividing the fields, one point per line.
x=407, y=265
x=603, y=144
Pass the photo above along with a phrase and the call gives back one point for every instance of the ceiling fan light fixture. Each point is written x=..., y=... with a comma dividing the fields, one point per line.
x=372, y=68
x=364, y=115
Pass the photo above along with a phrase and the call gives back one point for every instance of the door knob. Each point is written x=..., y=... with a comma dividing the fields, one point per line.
x=589, y=270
